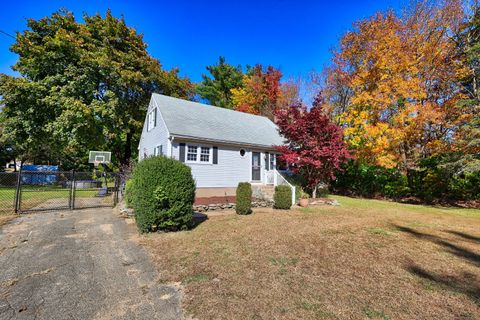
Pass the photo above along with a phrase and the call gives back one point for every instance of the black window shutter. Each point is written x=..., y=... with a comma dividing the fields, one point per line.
x=215, y=155
x=155, y=118
x=182, y=152
x=267, y=161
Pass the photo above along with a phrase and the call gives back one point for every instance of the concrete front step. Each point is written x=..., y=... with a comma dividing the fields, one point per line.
x=264, y=192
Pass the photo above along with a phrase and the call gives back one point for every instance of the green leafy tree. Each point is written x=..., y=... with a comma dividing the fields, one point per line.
x=6, y=152
x=82, y=86
x=472, y=128
x=466, y=157
x=217, y=88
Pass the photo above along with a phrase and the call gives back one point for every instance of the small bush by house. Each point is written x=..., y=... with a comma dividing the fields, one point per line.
x=282, y=198
x=162, y=194
x=244, y=198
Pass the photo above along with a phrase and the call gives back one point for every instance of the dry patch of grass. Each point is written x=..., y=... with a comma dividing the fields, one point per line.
x=366, y=259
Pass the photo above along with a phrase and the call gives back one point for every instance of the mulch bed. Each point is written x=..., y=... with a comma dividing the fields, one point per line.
x=214, y=200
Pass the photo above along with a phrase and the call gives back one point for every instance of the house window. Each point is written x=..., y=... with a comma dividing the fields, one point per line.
x=204, y=154
x=158, y=151
x=152, y=119
x=199, y=154
x=192, y=153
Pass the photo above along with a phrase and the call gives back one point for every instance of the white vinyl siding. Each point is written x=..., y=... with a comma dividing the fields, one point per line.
x=231, y=169
x=158, y=136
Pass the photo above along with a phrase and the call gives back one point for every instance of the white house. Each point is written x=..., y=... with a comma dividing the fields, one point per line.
x=223, y=147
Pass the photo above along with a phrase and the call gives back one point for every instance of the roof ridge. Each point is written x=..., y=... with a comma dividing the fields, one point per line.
x=204, y=105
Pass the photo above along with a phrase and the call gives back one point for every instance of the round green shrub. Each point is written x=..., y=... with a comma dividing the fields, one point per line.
x=244, y=198
x=162, y=194
x=282, y=198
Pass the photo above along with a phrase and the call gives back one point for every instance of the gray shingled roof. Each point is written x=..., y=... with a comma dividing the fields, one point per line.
x=189, y=119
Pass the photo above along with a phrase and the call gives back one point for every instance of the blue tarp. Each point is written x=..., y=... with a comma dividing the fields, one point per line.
x=38, y=178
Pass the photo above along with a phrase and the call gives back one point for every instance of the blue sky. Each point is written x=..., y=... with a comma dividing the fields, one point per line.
x=296, y=35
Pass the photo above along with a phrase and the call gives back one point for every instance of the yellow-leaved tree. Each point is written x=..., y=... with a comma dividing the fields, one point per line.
x=394, y=84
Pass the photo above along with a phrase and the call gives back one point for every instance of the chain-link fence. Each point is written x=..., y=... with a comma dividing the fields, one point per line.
x=8, y=189
x=41, y=190
x=97, y=190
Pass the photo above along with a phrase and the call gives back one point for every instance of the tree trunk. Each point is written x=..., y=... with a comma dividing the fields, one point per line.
x=314, y=193
x=403, y=156
x=127, y=154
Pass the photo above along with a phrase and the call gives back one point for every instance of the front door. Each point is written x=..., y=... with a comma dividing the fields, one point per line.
x=256, y=168
x=269, y=168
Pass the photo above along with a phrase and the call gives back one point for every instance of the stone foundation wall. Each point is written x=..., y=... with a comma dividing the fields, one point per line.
x=265, y=192
x=257, y=203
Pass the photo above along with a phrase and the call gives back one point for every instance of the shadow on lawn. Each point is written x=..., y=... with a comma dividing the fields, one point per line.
x=198, y=218
x=464, y=282
x=460, y=252
x=464, y=235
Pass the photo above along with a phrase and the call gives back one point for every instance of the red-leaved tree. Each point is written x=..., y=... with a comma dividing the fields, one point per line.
x=315, y=147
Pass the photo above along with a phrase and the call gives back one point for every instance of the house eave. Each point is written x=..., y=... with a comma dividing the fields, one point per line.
x=223, y=142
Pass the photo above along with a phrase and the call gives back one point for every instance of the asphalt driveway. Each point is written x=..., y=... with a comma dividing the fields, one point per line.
x=80, y=264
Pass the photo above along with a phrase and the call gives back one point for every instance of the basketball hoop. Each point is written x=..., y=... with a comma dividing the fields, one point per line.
x=99, y=157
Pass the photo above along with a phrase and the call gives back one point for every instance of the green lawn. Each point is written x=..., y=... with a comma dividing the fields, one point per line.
x=393, y=207
x=35, y=195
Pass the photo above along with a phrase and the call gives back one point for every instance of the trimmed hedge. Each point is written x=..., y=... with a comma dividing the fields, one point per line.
x=162, y=194
x=432, y=180
x=129, y=193
x=244, y=198
x=282, y=198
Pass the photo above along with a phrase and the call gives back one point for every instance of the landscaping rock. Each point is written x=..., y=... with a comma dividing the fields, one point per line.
x=124, y=211
x=323, y=201
x=222, y=206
